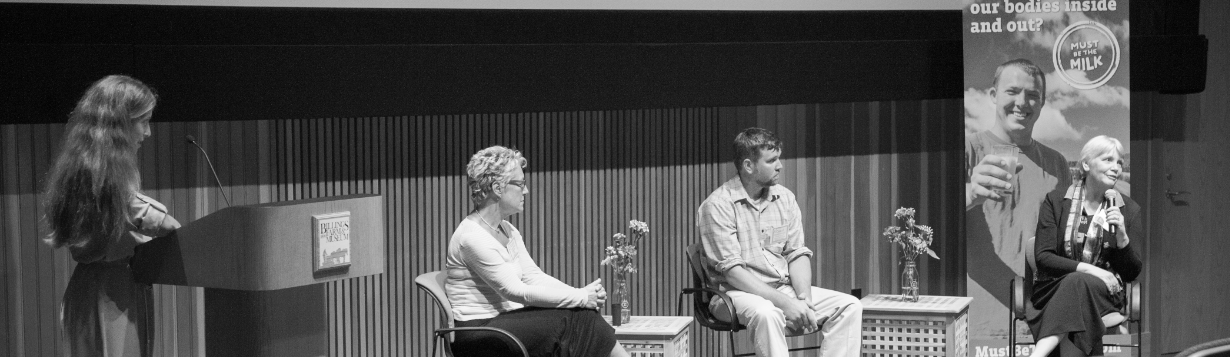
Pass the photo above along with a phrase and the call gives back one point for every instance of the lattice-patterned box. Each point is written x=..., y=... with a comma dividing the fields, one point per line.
x=932, y=326
x=655, y=336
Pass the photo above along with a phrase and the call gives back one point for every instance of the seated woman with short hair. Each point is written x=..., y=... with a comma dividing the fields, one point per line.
x=493, y=282
x=1078, y=288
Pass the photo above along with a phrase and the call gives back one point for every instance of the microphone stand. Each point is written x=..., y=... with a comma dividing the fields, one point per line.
x=211, y=169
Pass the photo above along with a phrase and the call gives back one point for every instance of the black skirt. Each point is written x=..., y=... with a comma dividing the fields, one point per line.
x=1072, y=307
x=543, y=331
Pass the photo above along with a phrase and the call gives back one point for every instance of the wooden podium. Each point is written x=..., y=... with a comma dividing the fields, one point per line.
x=262, y=265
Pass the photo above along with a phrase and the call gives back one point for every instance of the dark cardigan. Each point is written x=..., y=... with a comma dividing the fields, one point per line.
x=1053, y=262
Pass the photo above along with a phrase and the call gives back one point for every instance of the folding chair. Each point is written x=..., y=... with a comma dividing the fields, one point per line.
x=702, y=293
x=1021, y=288
x=433, y=284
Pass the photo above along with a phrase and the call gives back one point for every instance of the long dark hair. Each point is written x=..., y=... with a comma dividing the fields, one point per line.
x=95, y=174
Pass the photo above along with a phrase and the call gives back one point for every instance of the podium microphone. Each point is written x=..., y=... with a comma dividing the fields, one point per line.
x=1112, y=200
x=211, y=168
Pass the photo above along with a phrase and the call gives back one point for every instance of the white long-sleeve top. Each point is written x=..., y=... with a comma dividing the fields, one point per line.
x=486, y=278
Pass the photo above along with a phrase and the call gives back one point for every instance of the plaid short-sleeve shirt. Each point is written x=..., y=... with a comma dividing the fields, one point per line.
x=763, y=238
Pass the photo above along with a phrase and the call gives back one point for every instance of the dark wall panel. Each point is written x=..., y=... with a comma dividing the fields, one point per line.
x=251, y=63
x=249, y=25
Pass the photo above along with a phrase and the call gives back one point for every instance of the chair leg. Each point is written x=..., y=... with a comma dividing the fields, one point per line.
x=735, y=353
x=1011, y=317
x=1011, y=332
x=731, y=334
x=732, y=347
x=1137, y=342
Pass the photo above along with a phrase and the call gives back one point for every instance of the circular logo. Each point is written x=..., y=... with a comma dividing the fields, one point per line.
x=1088, y=47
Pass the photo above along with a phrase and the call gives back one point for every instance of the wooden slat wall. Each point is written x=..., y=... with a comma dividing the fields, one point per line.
x=851, y=165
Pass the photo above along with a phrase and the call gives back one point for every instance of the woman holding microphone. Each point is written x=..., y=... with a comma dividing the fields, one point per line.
x=1085, y=253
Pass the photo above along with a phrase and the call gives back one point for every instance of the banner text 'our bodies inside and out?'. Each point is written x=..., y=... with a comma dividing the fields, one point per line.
x=1027, y=7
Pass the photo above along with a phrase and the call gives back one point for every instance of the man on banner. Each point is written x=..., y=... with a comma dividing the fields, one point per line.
x=1009, y=175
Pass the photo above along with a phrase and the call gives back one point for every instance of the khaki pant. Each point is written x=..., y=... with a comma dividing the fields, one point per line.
x=767, y=323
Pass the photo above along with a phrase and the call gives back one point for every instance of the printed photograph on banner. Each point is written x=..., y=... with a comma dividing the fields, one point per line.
x=1042, y=78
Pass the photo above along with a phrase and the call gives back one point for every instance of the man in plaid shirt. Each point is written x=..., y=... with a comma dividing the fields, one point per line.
x=752, y=232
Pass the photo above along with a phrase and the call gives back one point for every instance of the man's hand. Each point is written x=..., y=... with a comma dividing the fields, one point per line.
x=991, y=173
x=795, y=310
x=597, y=295
x=803, y=295
x=799, y=314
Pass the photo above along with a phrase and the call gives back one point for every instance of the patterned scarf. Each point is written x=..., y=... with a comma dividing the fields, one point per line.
x=1090, y=247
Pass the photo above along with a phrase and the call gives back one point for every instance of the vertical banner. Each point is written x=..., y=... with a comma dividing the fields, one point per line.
x=1042, y=78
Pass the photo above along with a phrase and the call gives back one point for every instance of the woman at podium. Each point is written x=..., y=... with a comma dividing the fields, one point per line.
x=493, y=281
x=96, y=209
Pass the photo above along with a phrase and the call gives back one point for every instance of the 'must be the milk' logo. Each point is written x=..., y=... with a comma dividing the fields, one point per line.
x=1086, y=55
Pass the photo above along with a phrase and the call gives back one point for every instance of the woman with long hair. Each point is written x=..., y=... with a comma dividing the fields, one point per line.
x=1085, y=253
x=95, y=208
x=493, y=281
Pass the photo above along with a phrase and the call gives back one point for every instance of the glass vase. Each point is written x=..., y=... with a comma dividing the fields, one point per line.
x=909, y=278
x=623, y=308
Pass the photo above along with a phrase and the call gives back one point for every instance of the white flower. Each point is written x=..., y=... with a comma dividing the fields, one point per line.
x=620, y=238
x=904, y=212
x=638, y=227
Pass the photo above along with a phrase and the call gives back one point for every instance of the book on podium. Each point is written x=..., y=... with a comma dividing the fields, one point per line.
x=263, y=265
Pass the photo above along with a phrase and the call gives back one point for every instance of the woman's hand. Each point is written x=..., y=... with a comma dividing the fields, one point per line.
x=597, y=295
x=1112, y=283
x=1115, y=217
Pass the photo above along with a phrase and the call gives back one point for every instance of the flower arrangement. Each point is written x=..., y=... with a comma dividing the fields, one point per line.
x=915, y=239
x=619, y=256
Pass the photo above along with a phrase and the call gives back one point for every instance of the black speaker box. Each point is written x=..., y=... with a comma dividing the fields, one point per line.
x=1170, y=64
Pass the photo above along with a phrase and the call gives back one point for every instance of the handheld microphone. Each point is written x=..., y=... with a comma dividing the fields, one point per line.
x=192, y=140
x=1112, y=200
